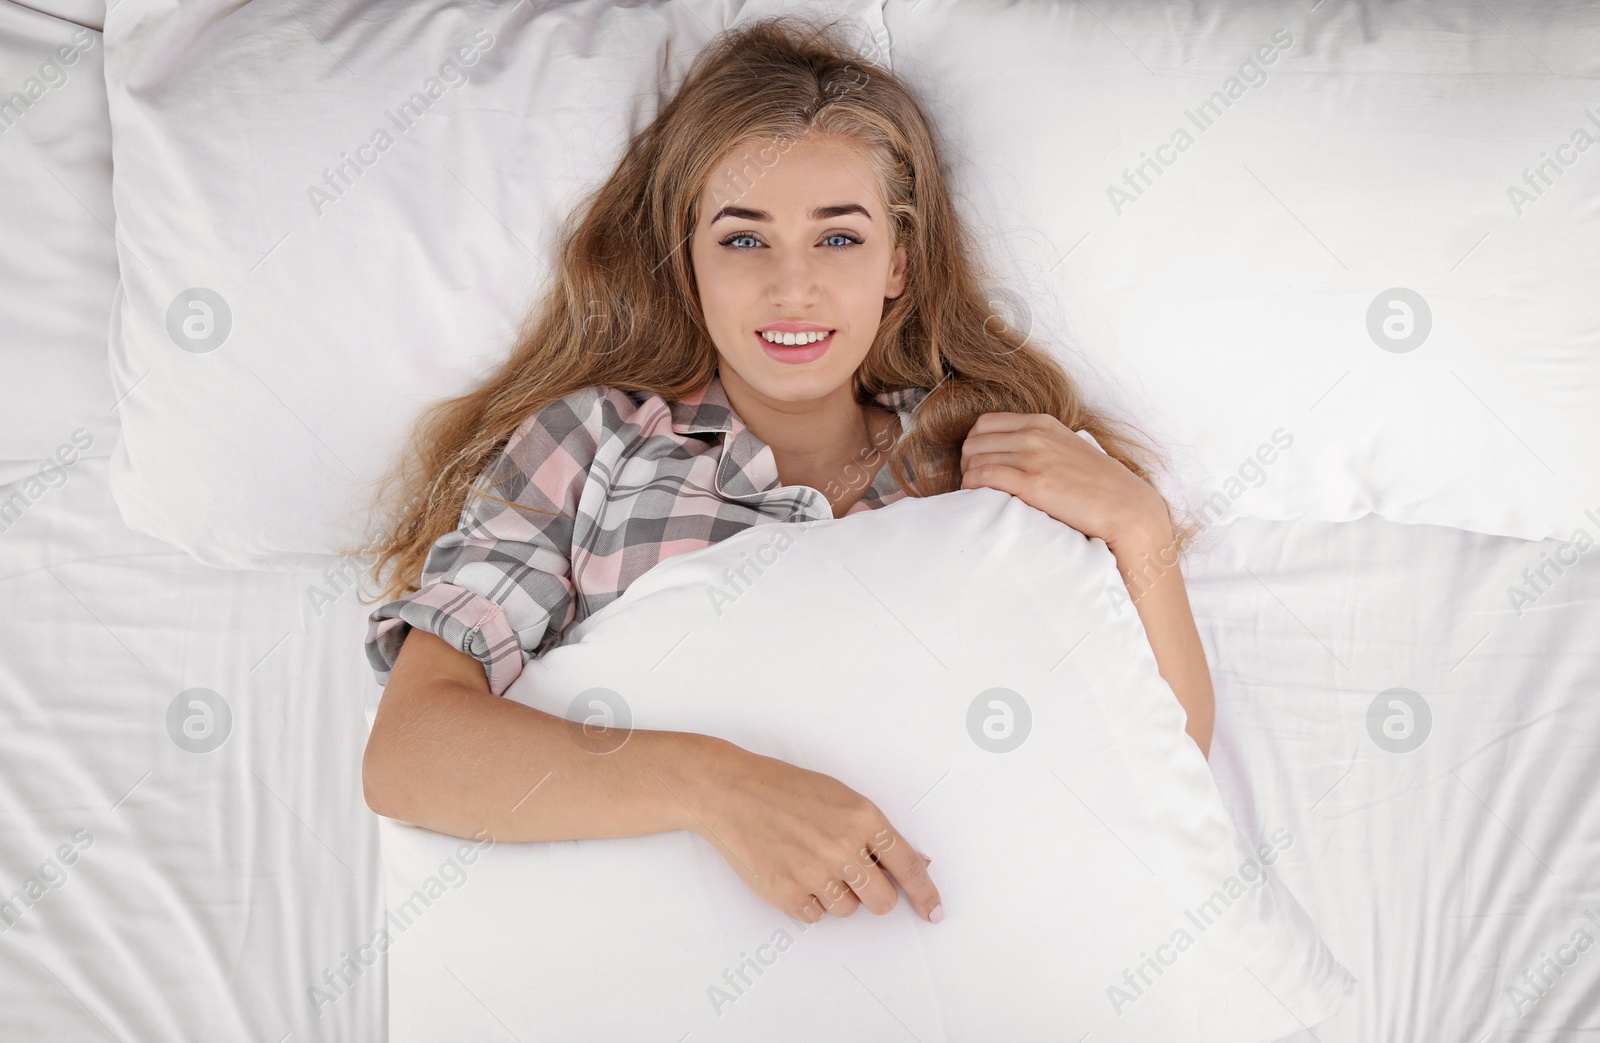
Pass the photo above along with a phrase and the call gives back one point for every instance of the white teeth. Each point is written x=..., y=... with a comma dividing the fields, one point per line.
x=794, y=338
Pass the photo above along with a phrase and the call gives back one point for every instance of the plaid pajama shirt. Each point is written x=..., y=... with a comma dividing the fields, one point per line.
x=631, y=480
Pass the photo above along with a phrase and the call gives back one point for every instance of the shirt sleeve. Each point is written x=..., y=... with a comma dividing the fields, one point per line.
x=499, y=587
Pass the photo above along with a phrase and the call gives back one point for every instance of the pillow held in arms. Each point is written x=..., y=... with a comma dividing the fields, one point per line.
x=961, y=662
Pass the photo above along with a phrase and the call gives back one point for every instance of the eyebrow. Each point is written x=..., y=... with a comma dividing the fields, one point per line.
x=821, y=213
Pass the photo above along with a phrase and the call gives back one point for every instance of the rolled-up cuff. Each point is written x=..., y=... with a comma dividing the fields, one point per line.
x=463, y=619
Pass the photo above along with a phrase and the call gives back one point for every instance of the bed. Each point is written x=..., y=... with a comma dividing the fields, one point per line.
x=1404, y=653
x=179, y=883
x=215, y=894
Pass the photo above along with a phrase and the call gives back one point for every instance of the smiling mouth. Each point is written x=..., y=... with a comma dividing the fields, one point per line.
x=781, y=344
x=796, y=353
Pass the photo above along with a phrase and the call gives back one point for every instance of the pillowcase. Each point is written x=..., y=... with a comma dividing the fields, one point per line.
x=341, y=215
x=958, y=661
x=1317, y=310
x=1335, y=266
x=58, y=258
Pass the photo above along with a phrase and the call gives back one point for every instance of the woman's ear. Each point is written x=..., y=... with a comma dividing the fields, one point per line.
x=897, y=273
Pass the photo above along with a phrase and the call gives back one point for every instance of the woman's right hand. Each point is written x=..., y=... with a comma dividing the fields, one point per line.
x=806, y=843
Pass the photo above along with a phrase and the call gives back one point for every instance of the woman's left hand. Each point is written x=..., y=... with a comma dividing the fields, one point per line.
x=1048, y=466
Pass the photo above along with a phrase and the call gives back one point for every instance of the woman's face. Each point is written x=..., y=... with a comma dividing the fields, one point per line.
x=794, y=235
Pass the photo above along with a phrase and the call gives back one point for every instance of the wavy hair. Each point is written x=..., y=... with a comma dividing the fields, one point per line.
x=623, y=309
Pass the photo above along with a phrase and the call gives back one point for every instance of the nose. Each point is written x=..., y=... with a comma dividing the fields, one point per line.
x=794, y=280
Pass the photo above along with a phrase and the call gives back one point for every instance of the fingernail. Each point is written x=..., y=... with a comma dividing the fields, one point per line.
x=925, y=858
x=937, y=915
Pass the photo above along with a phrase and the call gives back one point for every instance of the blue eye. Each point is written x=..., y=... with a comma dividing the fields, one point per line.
x=850, y=240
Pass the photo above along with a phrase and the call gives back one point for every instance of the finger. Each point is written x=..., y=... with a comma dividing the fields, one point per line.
x=990, y=442
x=838, y=899
x=1030, y=449
x=989, y=422
x=864, y=876
x=995, y=476
x=866, y=881
x=1010, y=457
x=911, y=871
x=811, y=912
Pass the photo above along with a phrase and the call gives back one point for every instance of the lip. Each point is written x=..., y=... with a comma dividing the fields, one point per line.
x=797, y=353
x=791, y=327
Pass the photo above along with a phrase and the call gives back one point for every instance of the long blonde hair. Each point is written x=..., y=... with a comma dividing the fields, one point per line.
x=623, y=309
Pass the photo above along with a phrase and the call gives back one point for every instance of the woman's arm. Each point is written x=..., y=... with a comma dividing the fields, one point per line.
x=1148, y=560
x=1038, y=459
x=447, y=754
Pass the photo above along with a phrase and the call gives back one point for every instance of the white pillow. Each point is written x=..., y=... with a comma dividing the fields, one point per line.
x=1092, y=879
x=58, y=259
x=1225, y=309
x=286, y=333
x=1250, y=307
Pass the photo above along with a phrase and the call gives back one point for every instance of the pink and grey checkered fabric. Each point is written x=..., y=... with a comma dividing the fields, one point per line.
x=631, y=479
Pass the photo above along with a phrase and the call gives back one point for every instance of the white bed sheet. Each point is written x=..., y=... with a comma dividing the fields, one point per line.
x=1437, y=876
x=212, y=890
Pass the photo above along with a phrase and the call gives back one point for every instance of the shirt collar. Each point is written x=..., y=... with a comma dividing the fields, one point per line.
x=708, y=409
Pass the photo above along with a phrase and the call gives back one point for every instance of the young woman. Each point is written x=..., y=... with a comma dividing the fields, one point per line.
x=771, y=311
